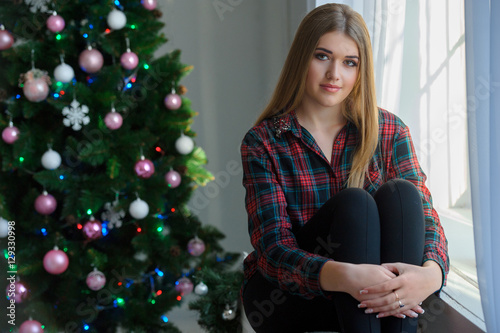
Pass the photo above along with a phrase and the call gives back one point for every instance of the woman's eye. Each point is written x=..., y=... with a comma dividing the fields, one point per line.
x=351, y=63
x=321, y=56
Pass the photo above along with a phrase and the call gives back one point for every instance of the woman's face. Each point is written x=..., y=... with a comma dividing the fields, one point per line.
x=332, y=72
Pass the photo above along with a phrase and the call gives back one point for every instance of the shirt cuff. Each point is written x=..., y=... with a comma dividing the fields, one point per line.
x=434, y=257
x=312, y=272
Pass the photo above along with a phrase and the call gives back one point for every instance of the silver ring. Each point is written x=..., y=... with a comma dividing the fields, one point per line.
x=401, y=305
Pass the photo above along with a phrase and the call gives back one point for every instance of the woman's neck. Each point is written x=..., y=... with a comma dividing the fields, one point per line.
x=322, y=119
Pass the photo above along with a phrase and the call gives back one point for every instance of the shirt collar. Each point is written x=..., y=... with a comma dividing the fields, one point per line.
x=287, y=123
x=290, y=123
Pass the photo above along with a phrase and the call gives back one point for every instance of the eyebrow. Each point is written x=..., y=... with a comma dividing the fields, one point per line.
x=330, y=52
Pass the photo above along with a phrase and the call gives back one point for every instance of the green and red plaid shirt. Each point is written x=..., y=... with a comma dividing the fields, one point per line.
x=287, y=179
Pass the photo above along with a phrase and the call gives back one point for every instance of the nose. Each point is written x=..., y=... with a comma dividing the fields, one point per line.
x=333, y=71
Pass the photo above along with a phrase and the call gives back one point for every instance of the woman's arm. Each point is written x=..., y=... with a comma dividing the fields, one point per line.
x=278, y=257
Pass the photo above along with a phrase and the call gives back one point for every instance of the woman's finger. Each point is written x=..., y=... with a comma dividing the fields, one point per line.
x=384, y=287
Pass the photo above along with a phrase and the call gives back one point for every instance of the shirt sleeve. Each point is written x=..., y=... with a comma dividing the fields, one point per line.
x=406, y=166
x=278, y=257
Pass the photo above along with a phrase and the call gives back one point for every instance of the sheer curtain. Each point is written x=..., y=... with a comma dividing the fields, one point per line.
x=483, y=100
x=419, y=55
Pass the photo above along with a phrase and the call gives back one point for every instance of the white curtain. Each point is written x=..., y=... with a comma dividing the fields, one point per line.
x=483, y=100
x=419, y=56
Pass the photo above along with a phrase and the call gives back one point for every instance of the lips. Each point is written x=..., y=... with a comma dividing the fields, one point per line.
x=330, y=87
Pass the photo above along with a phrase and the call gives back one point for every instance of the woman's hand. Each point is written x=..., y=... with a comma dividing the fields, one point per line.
x=351, y=278
x=412, y=286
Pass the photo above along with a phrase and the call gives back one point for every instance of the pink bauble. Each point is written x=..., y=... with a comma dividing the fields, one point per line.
x=17, y=291
x=6, y=40
x=10, y=134
x=92, y=229
x=173, y=178
x=144, y=168
x=129, y=60
x=184, y=286
x=55, y=23
x=113, y=120
x=90, y=61
x=36, y=90
x=172, y=101
x=196, y=247
x=95, y=280
x=45, y=204
x=55, y=261
x=31, y=326
x=149, y=4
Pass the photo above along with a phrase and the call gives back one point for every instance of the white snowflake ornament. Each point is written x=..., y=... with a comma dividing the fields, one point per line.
x=76, y=115
x=41, y=6
x=113, y=217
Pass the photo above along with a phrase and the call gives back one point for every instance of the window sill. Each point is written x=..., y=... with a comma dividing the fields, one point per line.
x=462, y=290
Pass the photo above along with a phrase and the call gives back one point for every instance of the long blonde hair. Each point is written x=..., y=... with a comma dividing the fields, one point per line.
x=360, y=107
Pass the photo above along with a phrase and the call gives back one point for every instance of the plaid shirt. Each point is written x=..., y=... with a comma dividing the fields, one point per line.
x=287, y=179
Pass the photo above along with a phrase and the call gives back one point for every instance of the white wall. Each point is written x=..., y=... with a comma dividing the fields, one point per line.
x=237, y=48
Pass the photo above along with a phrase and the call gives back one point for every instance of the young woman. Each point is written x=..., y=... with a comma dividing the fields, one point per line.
x=345, y=235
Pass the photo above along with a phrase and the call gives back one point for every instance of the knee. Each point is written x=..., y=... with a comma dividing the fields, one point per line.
x=352, y=195
x=400, y=184
x=399, y=190
x=353, y=202
x=397, y=186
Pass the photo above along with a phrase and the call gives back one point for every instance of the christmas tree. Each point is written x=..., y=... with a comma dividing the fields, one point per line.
x=98, y=164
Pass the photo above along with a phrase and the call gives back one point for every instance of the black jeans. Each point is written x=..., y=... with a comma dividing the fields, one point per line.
x=388, y=227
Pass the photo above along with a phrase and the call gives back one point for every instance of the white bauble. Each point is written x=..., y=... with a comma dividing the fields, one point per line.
x=51, y=159
x=64, y=73
x=201, y=289
x=141, y=256
x=184, y=144
x=139, y=209
x=4, y=227
x=116, y=19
